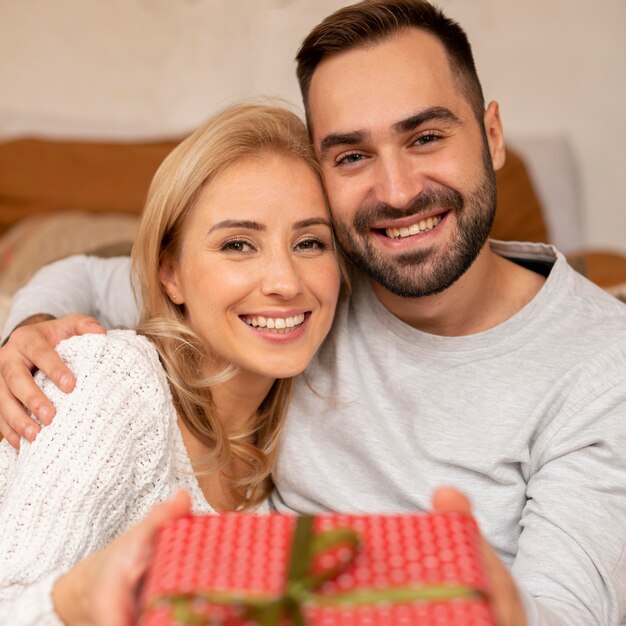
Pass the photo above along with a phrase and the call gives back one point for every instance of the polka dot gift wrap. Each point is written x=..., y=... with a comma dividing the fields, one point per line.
x=240, y=569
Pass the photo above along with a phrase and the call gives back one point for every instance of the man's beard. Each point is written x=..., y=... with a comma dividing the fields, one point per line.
x=426, y=271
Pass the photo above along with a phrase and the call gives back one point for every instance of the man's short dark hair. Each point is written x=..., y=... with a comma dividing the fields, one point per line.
x=371, y=21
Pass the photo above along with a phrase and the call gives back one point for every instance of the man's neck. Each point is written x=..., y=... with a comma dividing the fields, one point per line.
x=491, y=291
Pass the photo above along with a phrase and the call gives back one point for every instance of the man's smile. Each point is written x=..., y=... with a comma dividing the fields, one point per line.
x=416, y=228
x=411, y=226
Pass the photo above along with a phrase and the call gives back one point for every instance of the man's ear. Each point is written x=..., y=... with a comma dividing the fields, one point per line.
x=168, y=275
x=495, y=135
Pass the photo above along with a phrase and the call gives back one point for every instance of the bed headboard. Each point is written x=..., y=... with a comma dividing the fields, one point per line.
x=40, y=177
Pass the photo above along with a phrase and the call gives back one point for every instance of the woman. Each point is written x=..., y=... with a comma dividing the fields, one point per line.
x=239, y=284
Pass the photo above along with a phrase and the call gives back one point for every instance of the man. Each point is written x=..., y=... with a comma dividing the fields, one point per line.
x=492, y=367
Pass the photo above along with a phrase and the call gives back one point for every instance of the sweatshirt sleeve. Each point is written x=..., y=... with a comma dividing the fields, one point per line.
x=571, y=562
x=78, y=284
x=77, y=486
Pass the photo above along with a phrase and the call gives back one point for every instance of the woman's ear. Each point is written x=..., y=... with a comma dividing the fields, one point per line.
x=495, y=135
x=168, y=275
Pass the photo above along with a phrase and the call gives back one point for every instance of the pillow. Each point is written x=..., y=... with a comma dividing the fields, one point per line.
x=36, y=241
x=42, y=177
x=606, y=269
x=619, y=291
x=519, y=215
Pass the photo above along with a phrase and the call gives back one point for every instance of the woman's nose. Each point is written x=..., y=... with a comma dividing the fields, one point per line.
x=281, y=278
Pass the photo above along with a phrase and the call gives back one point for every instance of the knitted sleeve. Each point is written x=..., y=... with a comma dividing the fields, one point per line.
x=73, y=489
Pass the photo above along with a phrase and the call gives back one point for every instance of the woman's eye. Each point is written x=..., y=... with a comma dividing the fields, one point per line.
x=311, y=244
x=349, y=158
x=237, y=245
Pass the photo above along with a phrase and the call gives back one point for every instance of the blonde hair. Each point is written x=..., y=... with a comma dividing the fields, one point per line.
x=237, y=132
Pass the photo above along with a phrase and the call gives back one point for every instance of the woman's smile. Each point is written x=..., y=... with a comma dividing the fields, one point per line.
x=276, y=323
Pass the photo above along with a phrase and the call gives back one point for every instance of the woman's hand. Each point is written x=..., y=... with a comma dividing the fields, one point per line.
x=505, y=598
x=102, y=589
x=31, y=347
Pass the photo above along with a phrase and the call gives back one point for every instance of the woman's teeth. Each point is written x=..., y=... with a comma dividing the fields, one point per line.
x=278, y=324
x=414, y=229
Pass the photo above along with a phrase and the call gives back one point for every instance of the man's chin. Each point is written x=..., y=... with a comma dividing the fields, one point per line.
x=413, y=287
x=414, y=274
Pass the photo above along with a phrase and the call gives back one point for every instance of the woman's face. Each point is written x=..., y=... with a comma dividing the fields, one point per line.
x=257, y=272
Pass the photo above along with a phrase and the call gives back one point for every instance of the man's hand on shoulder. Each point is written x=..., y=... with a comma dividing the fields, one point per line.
x=505, y=598
x=31, y=347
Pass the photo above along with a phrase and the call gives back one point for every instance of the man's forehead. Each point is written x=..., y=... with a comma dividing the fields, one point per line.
x=379, y=84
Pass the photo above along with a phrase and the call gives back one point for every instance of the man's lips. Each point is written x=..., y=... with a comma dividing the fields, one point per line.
x=411, y=225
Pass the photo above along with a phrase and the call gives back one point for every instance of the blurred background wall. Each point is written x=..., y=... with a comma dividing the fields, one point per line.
x=138, y=69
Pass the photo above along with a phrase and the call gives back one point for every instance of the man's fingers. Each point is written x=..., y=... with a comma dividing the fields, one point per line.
x=42, y=355
x=9, y=434
x=14, y=421
x=451, y=500
x=86, y=325
x=47, y=360
x=31, y=346
x=69, y=326
x=505, y=599
x=18, y=381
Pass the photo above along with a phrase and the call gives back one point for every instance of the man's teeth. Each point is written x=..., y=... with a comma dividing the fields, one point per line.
x=414, y=229
x=279, y=324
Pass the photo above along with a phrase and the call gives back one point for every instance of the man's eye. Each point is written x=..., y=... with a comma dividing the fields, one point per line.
x=426, y=139
x=349, y=158
x=237, y=245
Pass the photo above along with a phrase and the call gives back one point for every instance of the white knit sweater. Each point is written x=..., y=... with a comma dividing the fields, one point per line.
x=113, y=450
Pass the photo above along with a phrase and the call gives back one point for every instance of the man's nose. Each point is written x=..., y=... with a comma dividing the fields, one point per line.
x=397, y=181
x=281, y=277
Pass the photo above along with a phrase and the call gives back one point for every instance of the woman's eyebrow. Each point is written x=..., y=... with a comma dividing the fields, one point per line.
x=312, y=221
x=237, y=224
x=251, y=225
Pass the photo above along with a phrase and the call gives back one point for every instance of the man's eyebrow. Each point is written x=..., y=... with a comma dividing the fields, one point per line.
x=312, y=221
x=341, y=139
x=441, y=114
x=237, y=224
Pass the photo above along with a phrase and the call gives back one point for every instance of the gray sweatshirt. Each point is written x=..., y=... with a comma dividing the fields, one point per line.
x=528, y=419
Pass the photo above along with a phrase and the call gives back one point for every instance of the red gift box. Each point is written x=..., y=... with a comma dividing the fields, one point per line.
x=241, y=569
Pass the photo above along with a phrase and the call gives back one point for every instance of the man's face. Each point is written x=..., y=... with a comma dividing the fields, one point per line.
x=407, y=166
